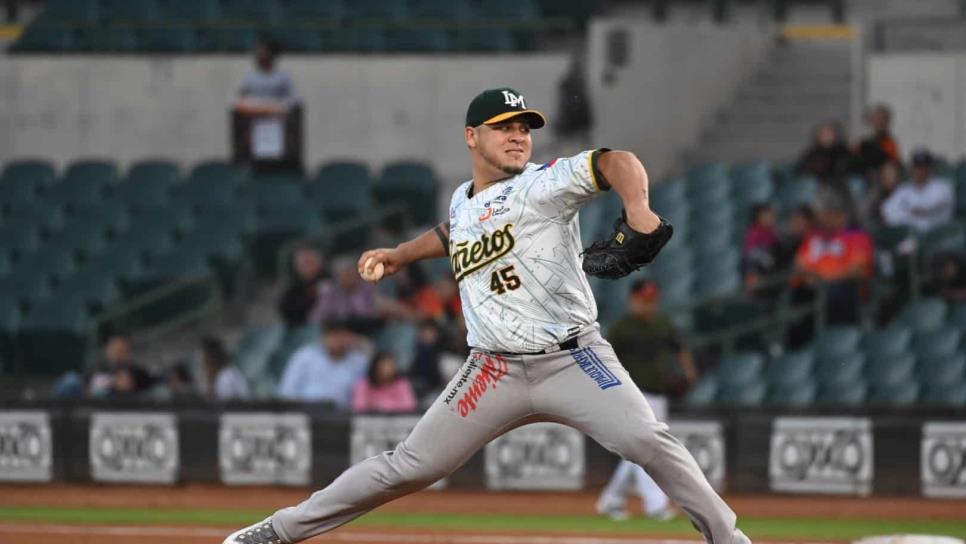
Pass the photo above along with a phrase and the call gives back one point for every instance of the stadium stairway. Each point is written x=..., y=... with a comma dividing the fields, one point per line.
x=800, y=84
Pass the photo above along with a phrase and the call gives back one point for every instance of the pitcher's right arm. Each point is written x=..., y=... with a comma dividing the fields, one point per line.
x=431, y=244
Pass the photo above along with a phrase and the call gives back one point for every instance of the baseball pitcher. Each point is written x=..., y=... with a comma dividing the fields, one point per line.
x=513, y=241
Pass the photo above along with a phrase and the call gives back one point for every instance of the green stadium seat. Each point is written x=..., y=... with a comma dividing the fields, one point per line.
x=342, y=203
x=129, y=11
x=19, y=238
x=847, y=394
x=796, y=192
x=412, y=184
x=291, y=342
x=837, y=342
x=893, y=340
x=114, y=39
x=237, y=38
x=296, y=38
x=71, y=11
x=141, y=193
x=717, y=286
x=26, y=286
x=175, y=216
x=704, y=392
x=123, y=264
x=712, y=217
x=165, y=39
x=109, y=213
x=417, y=39
x=205, y=191
x=338, y=173
x=241, y=216
x=176, y=264
x=99, y=291
x=708, y=177
x=44, y=37
x=709, y=242
x=50, y=262
x=891, y=371
x=250, y=11
x=902, y=394
x=156, y=170
x=101, y=170
x=790, y=369
x=934, y=371
x=840, y=371
x=53, y=336
x=192, y=12
x=516, y=10
x=145, y=240
x=254, y=350
x=39, y=213
x=580, y=11
x=957, y=316
x=738, y=369
x=80, y=238
x=14, y=193
x=945, y=238
x=278, y=225
x=752, y=172
x=482, y=39
x=798, y=395
x=675, y=291
x=313, y=11
x=218, y=170
x=668, y=192
x=10, y=317
x=6, y=263
x=722, y=261
x=940, y=342
x=78, y=192
x=28, y=171
x=439, y=10
x=948, y=394
x=217, y=242
x=378, y=10
x=355, y=39
x=750, y=394
x=961, y=201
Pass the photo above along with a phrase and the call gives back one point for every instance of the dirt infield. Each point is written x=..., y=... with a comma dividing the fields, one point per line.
x=270, y=498
x=191, y=497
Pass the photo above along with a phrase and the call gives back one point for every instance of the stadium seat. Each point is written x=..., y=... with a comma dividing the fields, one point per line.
x=796, y=192
x=254, y=350
x=890, y=341
x=71, y=11
x=53, y=336
x=193, y=12
x=790, y=369
x=841, y=371
x=798, y=395
x=940, y=342
x=357, y=39
x=291, y=342
x=128, y=11
x=516, y=10
x=249, y=11
x=154, y=170
x=99, y=291
x=718, y=285
x=902, y=394
x=217, y=242
x=43, y=37
x=80, y=238
x=483, y=39
x=202, y=191
x=240, y=216
x=837, y=342
x=923, y=315
x=439, y=10
x=948, y=394
x=26, y=285
x=296, y=38
x=236, y=38
x=957, y=316
x=703, y=393
x=711, y=241
x=417, y=39
x=669, y=193
x=109, y=213
x=313, y=11
x=382, y=11
x=173, y=217
x=848, y=394
x=141, y=193
x=579, y=11
x=750, y=394
x=122, y=264
x=19, y=238
x=165, y=39
x=722, y=261
x=740, y=368
x=933, y=371
x=709, y=181
x=28, y=170
x=950, y=237
x=115, y=39
x=890, y=371
x=411, y=183
x=52, y=262
x=175, y=264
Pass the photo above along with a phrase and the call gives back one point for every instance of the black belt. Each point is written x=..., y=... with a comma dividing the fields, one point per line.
x=568, y=344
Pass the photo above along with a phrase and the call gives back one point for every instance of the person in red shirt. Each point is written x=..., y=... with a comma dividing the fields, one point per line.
x=839, y=259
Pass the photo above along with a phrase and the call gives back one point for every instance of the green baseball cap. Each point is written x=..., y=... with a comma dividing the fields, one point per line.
x=495, y=105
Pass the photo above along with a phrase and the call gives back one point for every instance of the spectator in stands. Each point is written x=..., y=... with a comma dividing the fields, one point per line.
x=301, y=295
x=118, y=364
x=449, y=291
x=882, y=188
x=798, y=226
x=425, y=373
x=839, y=258
x=923, y=204
x=950, y=281
x=418, y=296
x=328, y=370
x=346, y=296
x=880, y=146
x=266, y=90
x=384, y=389
x=828, y=157
x=129, y=381
x=223, y=381
x=178, y=383
x=759, y=254
x=650, y=345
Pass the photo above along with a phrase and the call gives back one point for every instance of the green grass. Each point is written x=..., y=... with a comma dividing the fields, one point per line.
x=525, y=523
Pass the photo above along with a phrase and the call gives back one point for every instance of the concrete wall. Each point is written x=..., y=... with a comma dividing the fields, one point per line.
x=927, y=93
x=676, y=76
x=374, y=108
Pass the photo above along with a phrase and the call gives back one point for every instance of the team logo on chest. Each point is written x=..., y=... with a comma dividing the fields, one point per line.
x=469, y=257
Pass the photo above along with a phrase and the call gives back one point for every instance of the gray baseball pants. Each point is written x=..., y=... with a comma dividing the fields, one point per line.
x=585, y=388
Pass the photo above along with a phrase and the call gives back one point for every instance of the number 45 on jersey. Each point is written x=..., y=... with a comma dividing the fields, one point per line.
x=503, y=279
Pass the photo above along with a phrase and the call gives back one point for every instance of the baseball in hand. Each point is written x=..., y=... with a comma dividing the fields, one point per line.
x=373, y=273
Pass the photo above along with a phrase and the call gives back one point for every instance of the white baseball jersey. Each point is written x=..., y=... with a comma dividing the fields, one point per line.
x=515, y=251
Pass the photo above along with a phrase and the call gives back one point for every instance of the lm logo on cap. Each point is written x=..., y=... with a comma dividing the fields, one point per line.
x=513, y=100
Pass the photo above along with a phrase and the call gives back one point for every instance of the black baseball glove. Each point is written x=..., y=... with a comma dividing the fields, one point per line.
x=626, y=250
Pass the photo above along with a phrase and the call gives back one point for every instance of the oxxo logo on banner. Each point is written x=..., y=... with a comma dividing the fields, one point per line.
x=821, y=455
x=25, y=446
x=373, y=435
x=705, y=441
x=536, y=456
x=265, y=448
x=134, y=447
x=943, y=460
